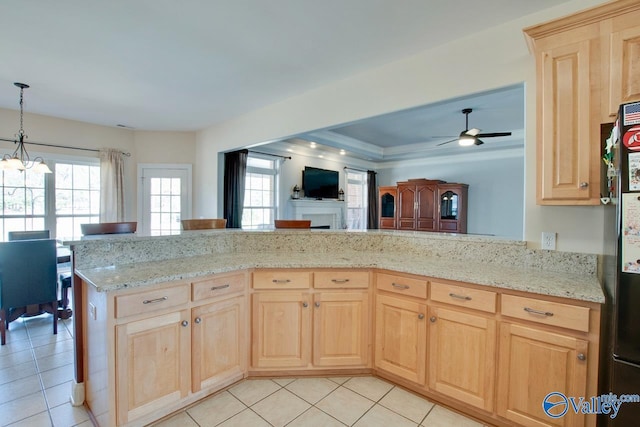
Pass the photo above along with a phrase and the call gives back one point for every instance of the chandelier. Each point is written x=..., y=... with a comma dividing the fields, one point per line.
x=20, y=159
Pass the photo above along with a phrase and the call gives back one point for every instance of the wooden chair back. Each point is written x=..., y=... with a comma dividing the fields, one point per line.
x=109, y=228
x=203, y=224
x=293, y=223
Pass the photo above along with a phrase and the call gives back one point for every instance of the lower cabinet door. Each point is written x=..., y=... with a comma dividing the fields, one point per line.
x=341, y=329
x=281, y=330
x=462, y=350
x=152, y=364
x=218, y=342
x=534, y=363
x=401, y=338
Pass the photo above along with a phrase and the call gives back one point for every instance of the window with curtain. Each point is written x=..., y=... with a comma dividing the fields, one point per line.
x=58, y=202
x=260, y=206
x=356, y=198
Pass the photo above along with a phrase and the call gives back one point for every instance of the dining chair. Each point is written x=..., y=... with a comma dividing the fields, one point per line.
x=203, y=224
x=109, y=228
x=293, y=223
x=27, y=277
x=28, y=235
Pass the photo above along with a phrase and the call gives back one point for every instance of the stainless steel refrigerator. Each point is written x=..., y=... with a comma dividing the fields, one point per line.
x=620, y=343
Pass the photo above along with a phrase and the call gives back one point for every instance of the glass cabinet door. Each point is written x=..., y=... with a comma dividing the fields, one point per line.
x=449, y=205
x=387, y=205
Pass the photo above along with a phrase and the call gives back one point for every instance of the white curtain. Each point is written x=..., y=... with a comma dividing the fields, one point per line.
x=111, y=185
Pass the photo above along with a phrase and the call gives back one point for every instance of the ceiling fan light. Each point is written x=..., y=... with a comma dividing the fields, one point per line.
x=466, y=140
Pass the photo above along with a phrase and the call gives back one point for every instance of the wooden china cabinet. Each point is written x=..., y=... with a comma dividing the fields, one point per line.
x=387, y=203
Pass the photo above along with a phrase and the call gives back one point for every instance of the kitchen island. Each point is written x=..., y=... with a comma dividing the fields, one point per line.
x=370, y=279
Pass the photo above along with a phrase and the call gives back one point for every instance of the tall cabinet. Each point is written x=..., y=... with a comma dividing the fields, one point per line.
x=424, y=205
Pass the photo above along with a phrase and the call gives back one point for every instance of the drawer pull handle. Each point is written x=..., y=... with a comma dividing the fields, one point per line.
x=541, y=313
x=281, y=280
x=153, y=301
x=399, y=286
x=216, y=288
x=464, y=297
x=339, y=280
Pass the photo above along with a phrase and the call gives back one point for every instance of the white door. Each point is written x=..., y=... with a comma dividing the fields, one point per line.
x=164, y=197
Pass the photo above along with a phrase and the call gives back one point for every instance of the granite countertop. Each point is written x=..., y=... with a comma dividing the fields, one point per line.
x=573, y=286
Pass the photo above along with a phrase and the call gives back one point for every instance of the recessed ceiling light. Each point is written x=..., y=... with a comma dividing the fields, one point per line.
x=312, y=144
x=290, y=150
x=342, y=152
x=321, y=156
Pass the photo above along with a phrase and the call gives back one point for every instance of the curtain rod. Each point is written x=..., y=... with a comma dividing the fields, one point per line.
x=359, y=170
x=68, y=147
x=269, y=154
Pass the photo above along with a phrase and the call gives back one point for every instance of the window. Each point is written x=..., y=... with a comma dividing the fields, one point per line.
x=77, y=198
x=58, y=202
x=356, y=200
x=260, y=208
x=23, y=201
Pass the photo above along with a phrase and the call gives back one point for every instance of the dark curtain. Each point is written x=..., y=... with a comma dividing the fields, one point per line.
x=372, y=200
x=235, y=170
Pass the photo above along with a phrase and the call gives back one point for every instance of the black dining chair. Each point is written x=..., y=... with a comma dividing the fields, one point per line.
x=27, y=277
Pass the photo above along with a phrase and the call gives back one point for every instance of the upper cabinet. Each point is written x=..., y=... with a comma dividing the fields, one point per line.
x=586, y=65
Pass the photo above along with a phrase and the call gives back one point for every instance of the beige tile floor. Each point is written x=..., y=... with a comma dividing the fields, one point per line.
x=316, y=402
x=36, y=368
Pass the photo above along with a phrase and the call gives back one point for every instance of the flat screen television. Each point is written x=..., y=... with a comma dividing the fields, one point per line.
x=320, y=183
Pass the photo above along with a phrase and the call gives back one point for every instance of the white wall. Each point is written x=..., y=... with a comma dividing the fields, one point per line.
x=493, y=58
x=145, y=147
x=496, y=198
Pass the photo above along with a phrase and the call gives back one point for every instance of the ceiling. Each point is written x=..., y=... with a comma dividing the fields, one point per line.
x=189, y=64
x=419, y=132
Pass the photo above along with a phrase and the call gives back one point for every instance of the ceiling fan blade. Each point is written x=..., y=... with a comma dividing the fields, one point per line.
x=447, y=142
x=493, y=135
x=473, y=132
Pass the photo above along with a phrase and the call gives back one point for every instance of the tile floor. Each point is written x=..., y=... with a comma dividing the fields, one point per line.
x=317, y=402
x=36, y=368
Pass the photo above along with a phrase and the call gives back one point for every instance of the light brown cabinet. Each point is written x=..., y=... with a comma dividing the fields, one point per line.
x=586, y=65
x=533, y=363
x=401, y=337
x=331, y=318
x=153, y=364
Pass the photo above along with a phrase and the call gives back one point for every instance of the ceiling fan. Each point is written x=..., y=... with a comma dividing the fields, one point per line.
x=470, y=137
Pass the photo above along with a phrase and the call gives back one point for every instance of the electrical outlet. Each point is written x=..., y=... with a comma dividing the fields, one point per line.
x=548, y=240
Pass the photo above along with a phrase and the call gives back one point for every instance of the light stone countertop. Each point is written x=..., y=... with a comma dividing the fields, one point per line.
x=573, y=286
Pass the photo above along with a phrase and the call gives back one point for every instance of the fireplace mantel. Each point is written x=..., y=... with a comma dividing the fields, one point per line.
x=320, y=212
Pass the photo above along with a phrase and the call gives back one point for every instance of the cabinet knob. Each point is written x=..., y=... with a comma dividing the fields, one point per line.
x=433, y=319
x=584, y=184
x=305, y=305
x=420, y=316
x=185, y=323
x=197, y=320
x=317, y=304
x=581, y=356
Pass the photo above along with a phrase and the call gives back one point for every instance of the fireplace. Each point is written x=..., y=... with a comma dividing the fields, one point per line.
x=322, y=213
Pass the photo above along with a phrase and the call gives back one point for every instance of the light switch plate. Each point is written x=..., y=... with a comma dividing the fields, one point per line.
x=548, y=240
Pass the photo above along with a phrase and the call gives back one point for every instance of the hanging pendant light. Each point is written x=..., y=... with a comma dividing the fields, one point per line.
x=20, y=159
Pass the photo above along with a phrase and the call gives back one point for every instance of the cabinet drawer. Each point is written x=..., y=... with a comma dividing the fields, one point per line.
x=402, y=285
x=341, y=279
x=547, y=312
x=464, y=297
x=217, y=286
x=281, y=279
x=146, y=302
